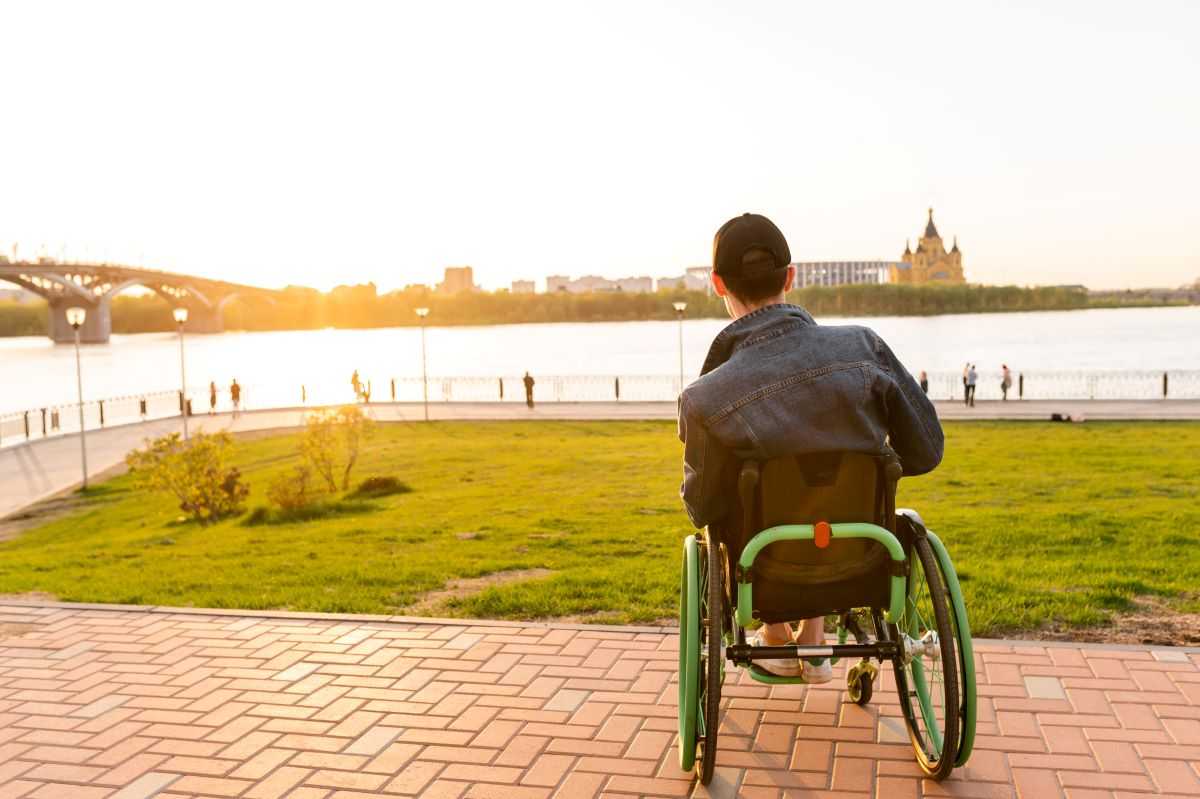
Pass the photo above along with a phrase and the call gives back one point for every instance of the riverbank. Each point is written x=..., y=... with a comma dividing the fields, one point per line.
x=362, y=307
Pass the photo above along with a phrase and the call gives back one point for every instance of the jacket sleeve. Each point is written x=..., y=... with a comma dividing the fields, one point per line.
x=914, y=431
x=704, y=461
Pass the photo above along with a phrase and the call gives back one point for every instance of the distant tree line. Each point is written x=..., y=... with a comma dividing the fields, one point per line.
x=362, y=306
x=22, y=318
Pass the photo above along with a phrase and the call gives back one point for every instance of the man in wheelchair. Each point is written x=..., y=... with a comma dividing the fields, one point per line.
x=775, y=383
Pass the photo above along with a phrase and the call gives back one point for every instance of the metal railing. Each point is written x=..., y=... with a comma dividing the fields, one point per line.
x=1042, y=384
x=54, y=420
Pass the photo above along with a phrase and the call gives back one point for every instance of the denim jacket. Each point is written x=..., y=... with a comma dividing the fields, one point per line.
x=777, y=383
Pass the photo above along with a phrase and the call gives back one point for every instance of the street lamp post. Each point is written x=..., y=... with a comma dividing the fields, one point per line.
x=422, y=313
x=680, y=307
x=181, y=316
x=75, y=317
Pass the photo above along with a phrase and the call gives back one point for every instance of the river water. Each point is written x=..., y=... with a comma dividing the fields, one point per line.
x=1070, y=347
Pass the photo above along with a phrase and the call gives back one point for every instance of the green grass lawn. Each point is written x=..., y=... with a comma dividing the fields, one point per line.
x=1048, y=524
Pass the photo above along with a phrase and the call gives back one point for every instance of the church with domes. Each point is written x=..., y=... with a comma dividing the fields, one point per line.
x=930, y=263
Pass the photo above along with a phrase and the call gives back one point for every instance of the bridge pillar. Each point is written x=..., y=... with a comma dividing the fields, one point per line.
x=97, y=326
x=204, y=320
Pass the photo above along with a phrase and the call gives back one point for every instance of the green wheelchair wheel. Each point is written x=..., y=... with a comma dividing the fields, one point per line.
x=689, y=652
x=927, y=672
x=711, y=631
x=966, y=653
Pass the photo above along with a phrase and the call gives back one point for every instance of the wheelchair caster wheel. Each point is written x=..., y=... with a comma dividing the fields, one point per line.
x=860, y=681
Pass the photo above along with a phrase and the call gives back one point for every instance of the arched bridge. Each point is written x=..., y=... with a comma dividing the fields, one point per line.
x=92, y=286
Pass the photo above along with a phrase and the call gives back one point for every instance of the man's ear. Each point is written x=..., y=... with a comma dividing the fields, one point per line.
x=718, y=284
x=791, y=279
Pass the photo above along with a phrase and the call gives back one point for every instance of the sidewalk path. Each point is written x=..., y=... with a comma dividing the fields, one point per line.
x=33, y=471
x=111, y=702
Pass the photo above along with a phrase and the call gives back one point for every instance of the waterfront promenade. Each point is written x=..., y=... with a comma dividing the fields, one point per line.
x=42, y=468
x=122, y=702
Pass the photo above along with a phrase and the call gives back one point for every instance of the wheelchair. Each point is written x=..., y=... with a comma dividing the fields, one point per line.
x=819, y=535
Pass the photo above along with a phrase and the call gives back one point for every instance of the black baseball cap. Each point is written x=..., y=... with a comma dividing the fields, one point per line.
x=742, y=234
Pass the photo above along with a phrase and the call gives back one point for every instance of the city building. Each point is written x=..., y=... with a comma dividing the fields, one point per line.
x=695, y=278
x=843, y=273
x=457, y=278
x=594, y=283
x=635, y=285
x=930, y=263
x=522, y=287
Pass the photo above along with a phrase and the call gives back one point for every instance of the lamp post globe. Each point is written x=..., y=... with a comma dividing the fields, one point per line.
x=76, y=316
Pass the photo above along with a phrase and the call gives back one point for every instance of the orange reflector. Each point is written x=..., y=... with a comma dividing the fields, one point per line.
x=821, y=534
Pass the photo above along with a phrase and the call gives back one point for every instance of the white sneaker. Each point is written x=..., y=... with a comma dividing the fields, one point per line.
x=782, y=667
x=815, y=675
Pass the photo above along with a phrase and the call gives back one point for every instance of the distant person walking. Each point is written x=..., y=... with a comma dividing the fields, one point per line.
x=235, y=395
x=528, y=381
x=1005, y=382
x=356, y=384
x=966, y=392
x=924, y=382
x=972, y=378
x=212, y=397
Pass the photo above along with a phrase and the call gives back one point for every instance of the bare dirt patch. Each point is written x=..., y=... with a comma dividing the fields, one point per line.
x=39, y=513
x=1153, y=623
x=428, y=604
x=54, y=507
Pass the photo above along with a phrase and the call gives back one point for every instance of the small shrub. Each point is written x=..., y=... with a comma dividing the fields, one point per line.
x=333, y=438
x=381, y=486
x=307, y=513
x=292, y=490
x=260, y=515
x=195, y=472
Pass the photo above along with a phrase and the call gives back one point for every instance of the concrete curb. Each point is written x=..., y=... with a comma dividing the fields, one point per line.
x=367, y=618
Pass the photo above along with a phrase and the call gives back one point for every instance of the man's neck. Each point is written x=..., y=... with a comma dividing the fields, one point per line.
x=737, y=309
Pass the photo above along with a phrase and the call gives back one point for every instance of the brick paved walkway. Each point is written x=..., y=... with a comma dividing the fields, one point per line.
x=128, y=703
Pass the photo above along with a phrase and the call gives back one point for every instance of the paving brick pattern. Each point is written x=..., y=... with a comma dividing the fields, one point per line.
x=132, y=703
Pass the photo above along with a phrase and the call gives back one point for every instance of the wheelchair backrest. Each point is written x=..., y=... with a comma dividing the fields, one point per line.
x=819, y=487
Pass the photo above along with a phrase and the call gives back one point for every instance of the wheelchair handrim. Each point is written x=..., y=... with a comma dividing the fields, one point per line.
x=933, y=723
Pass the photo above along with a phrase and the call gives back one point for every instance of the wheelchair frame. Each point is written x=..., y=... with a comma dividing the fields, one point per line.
x=710, y=634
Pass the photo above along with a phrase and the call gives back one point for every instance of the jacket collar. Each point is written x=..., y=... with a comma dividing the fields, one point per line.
x=744, y=330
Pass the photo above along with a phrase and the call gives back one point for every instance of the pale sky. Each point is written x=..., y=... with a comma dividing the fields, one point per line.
x=326, y=143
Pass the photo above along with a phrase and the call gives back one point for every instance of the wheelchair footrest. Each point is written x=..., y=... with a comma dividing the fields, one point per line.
x=744, y=654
